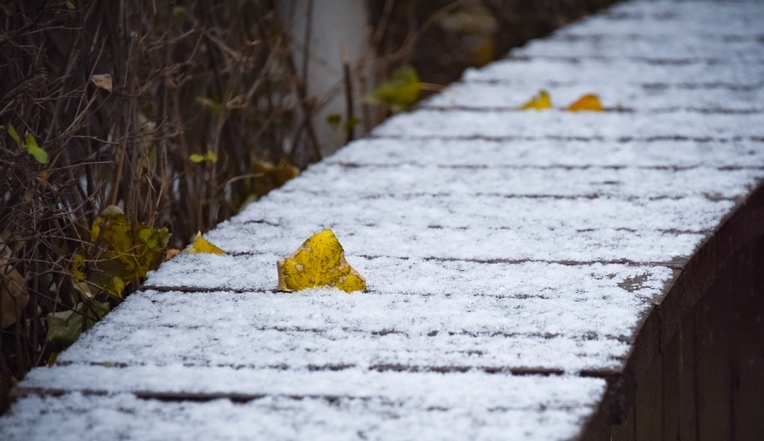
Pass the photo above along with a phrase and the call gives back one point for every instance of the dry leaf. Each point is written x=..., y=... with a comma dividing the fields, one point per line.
x=320, y=261
x=202, y=246
x=170, y=253
x=589, y=102
x=540, y=102
x=102, y=80
x=13, y=289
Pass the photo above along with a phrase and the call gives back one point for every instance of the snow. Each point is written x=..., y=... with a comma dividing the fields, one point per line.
x=317, y=418
x=573, y=125
x=509, y=255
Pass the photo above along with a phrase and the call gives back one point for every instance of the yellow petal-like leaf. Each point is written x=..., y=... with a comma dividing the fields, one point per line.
x=202, y=245
x=35, y=150
x=12, y=132
x=541, y=102
x=587, y=102
x=320, y=261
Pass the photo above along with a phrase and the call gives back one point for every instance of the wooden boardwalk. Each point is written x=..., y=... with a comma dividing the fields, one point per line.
x=530, y=274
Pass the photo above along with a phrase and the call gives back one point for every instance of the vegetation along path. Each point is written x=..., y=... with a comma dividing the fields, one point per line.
x=532, y=275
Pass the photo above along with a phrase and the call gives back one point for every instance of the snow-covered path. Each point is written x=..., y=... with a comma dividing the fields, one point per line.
x=511, y=257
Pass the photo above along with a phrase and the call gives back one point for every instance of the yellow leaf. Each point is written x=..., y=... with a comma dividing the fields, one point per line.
x=540, y=102
x=270, y=176
x=202, y=245
x=399, y=91
x=320, y=261
x=122, y=250
x=587, y=102
x=14, y=134
x=35, y=150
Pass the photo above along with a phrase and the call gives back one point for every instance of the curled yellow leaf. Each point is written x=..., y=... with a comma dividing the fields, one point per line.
x=540, y=102
x=202, y=245
x=589, y=102
x=320, y=261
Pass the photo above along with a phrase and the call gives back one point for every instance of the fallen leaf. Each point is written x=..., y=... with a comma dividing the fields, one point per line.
x=541, y=102
x=589, y=102
x=102, y=81
x=14, y=295
x=170, y=253
x=203, y=246
x=320, y=261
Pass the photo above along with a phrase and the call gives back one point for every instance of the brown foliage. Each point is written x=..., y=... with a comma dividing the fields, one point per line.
x=121, y=95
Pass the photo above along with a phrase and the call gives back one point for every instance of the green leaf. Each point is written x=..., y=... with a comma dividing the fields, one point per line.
x=199, y=158
x=14, y=134
x=123, y=252
x=213, y=105
x=70, y=5
x=334, y=120
x=178, y=13
x=37, y=153
x=399, y=91
x=64, y=327
x=115, y=287
x=352, y=122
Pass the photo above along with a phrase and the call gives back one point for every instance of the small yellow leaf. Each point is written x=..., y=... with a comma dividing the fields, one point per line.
x=541, y=102
x=102, y=81
x=399, y=91
x=320, y=261
x=35, y=150
x=587, y=102
x=14, y=134
x=202, y=245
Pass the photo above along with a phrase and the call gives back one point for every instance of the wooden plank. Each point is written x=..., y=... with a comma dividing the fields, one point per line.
x=712, y=358
x=649, y=380
x=747, y=329
x=688, y=384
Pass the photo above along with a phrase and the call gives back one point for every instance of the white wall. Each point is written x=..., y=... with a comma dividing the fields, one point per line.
x=335, y=24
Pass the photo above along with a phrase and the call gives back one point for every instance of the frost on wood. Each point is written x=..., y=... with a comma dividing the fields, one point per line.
x=320, y=261
x=497, y=242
